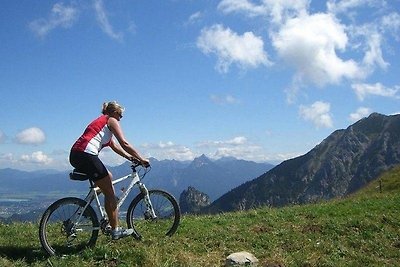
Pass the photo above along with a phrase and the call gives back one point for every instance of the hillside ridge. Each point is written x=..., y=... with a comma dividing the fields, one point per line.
x=341, y=164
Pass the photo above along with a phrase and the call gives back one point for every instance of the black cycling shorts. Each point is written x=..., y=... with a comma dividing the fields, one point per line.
x=89, y=164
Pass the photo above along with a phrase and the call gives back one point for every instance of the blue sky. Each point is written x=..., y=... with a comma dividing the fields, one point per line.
x=262, y=80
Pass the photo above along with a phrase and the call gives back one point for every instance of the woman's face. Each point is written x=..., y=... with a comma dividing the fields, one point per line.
x=117, y=115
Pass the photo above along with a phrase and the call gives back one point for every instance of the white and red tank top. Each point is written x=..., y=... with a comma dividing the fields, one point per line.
x=96, y=136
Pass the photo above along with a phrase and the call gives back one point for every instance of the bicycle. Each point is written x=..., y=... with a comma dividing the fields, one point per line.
x=71, y=224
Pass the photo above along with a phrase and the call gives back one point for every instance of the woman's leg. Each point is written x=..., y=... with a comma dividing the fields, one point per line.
x=110, y=203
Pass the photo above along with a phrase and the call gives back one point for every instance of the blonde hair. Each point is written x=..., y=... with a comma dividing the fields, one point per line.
x=111, y=107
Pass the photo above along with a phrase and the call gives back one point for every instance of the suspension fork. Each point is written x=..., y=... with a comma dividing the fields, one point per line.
x=149, y=213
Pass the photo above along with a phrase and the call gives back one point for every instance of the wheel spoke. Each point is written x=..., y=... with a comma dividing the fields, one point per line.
x=166, y=209
x=64, y=230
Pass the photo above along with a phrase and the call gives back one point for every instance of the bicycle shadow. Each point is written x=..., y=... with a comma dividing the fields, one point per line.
x=28, y=254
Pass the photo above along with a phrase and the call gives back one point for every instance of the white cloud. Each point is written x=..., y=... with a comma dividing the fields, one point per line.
x=2, y=137
x=318, y=114
x=111, y=158
x=60, y=16
x=132, y=28
x=104, y=23
x=345, y=6
x=278, y=10
x=37, y=157
x=371, y=45
x=320, y=46
x=373, y=56
x=229, y=6
x=236, y=141
x=391, y=23
x=246, y=50
x=249, y=152
x=195, y=17
x=223, y=100
x=238, y=147
x=6, y=157
x=31, y=136
x=37, y=160
x=359, y=114
x=374, y=34
x=65, y=16
x=168, y=150
x=309, y=44
x=362, y=90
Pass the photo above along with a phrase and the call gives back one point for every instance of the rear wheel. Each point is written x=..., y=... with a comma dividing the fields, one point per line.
x=166, y=209
x=66, y=228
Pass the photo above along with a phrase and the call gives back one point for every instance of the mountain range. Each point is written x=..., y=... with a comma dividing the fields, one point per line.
x=341, y=164
x=213, y=177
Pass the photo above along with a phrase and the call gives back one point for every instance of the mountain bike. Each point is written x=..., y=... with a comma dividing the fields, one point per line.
x=71, y=224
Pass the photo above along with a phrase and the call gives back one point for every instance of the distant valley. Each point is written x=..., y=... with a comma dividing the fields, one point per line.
x=23, y=193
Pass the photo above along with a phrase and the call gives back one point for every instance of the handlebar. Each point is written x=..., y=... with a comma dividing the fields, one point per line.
x=135, y=162
x=142, y=172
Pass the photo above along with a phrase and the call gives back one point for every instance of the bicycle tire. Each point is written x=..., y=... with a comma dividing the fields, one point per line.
x=58, y=234
x=166, y=208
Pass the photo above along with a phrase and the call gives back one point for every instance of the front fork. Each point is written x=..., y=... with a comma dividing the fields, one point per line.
x=149, y=213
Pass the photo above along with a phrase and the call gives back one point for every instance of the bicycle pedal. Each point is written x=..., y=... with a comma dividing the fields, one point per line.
x=105, y=227
x=71, y=237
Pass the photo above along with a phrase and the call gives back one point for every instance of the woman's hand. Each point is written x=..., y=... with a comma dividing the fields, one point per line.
x=145, y=162
x=142, y=161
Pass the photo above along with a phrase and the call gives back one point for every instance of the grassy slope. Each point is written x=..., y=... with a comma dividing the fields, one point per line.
x=360, y=230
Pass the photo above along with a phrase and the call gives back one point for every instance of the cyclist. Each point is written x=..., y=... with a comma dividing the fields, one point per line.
x=84, y=157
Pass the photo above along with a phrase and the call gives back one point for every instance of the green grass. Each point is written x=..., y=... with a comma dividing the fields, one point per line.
x=360, y=230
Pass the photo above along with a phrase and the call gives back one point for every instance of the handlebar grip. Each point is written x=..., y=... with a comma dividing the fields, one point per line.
x=136, y=163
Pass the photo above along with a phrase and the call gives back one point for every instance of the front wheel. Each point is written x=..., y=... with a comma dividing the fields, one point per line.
x=166, y=209
x=66, y=227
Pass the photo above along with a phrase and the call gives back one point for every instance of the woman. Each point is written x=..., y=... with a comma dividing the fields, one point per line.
x=84, y=157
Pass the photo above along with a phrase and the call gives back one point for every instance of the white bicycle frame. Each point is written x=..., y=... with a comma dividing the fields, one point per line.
x=96, y=191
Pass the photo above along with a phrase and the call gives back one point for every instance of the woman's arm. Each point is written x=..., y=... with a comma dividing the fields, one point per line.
x=124, y=148
x=118, y=149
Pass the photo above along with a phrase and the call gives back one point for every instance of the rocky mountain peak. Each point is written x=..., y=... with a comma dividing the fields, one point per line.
x=201, y=161
x=192, y=200
x=341, y=164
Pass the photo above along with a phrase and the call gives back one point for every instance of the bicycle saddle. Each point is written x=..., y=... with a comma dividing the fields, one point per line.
x=78, y=176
